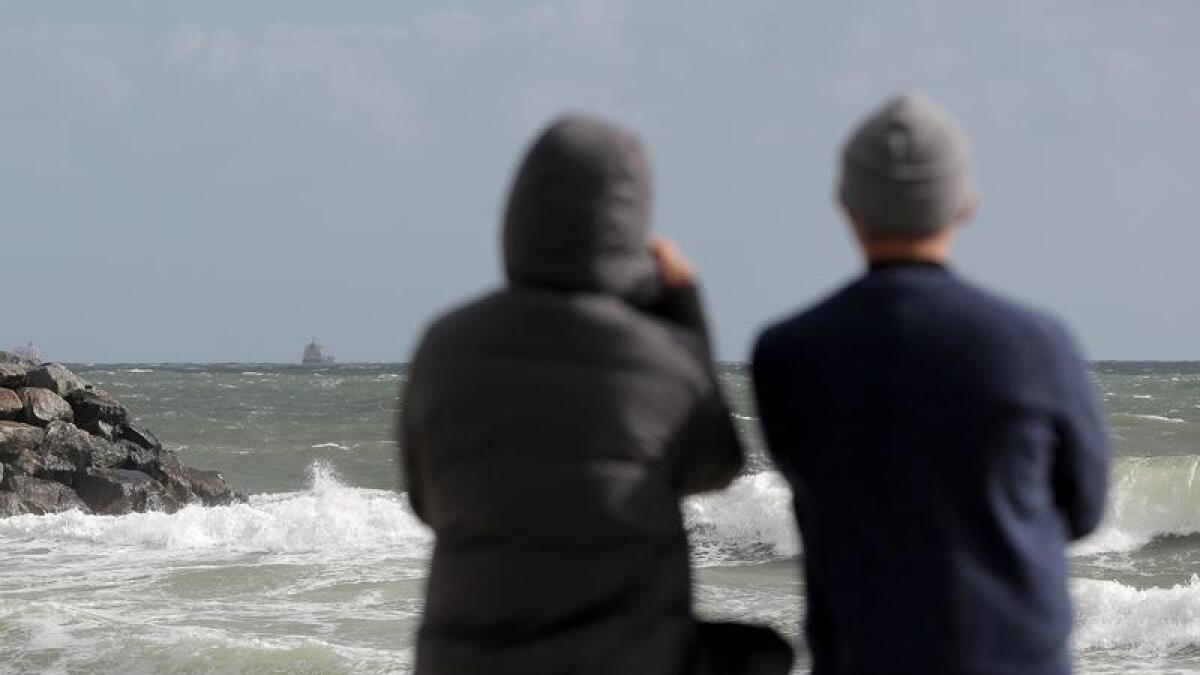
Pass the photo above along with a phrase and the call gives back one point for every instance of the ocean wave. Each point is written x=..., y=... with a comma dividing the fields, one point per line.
x=328, y=517
x=1150, y=497
x=749, y=521
x=1145, y=622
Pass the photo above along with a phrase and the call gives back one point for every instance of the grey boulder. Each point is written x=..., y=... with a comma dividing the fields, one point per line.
x=46, y=465
x=139, y=436
x=96, y=407
x=139, y=458
x=29, y=494
x=12, y=375
x=11, y=405
x=54, y=377
x=81, y=448
x=43, y=406
x=120, y=491
x=16, y=437
x=210, y=487
x=173, y=474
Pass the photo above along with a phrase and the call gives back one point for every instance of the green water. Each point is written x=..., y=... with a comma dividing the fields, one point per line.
x=322, y=572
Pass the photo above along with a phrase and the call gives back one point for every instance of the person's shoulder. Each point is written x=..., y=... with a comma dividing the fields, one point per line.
x=1017, y=316
x=787, y=333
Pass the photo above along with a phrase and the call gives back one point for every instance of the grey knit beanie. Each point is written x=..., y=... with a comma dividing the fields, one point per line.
x=906, y=168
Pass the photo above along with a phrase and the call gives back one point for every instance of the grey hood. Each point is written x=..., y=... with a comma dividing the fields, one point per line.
x=578, y=216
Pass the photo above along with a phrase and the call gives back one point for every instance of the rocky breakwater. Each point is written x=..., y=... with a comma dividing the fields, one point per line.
x=65, y=444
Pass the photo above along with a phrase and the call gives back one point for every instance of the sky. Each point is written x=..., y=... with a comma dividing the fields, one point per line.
x=223, y=180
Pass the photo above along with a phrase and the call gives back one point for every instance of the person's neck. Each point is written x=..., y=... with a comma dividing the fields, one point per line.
x=934, y=250
x=901, y=256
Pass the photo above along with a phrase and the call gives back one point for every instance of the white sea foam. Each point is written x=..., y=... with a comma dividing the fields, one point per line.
x=1160, y=418
x=748, y=521
x=329, y=516
x=1145, y=622
x=330, y=445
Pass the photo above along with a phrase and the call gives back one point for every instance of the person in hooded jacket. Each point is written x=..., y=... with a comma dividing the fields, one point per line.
x=549, y=429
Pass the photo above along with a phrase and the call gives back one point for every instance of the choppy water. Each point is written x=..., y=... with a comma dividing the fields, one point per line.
x=322, y=571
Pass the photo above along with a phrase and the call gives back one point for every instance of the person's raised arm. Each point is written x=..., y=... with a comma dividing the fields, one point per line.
x=707, y=449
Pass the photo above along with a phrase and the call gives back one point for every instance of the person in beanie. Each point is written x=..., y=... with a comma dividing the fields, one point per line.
x=549, y=429
x=943, y=444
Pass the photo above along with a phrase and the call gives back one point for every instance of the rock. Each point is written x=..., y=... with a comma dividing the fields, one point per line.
x=139, y=458
x=108, y=455
x=102, y=429
x=82, y=449
x=76, y=447
x=120, y=491
x=63, y=451
x=174, y=476
x=38, y=496
x=16, y=438
x=54, y=377
x=48, y=466
x=10, y=505
x=12, y=375
x=95, y=406
x=139, y=436
x=43, y=406
x=210, y=487
x=11, y=405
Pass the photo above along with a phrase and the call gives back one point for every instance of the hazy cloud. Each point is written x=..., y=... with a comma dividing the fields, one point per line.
x=454, y=28
x=278, y=168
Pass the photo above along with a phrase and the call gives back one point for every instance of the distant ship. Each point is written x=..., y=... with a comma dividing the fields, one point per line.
x=314, y=355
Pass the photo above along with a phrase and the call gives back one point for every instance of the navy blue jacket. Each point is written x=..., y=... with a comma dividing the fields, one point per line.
x=943, y=445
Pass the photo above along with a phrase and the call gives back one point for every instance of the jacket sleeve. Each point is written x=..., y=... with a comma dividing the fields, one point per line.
x=411, y=445
x=706, y=447
x=1081, y=463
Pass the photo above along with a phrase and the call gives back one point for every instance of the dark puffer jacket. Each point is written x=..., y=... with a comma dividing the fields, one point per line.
x=549, y=429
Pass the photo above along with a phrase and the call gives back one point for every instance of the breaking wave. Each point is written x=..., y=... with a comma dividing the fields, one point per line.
x=1143, y=622
x=328, y=516
x=750, y=521
x=1150, y=497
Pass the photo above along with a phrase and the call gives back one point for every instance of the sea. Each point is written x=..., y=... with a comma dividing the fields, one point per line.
x=322, y=571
